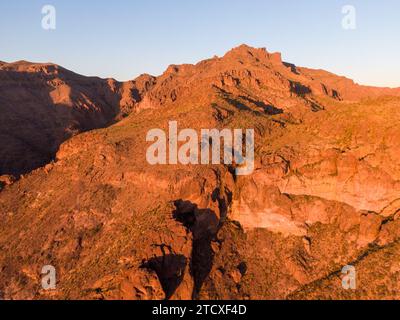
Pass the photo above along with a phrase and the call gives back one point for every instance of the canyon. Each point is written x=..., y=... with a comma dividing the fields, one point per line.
x=78, y=193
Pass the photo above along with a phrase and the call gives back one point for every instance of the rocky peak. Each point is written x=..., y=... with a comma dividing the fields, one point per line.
x=245, y=52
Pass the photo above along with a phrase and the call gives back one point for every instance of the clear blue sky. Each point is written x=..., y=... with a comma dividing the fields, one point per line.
x=124, y=38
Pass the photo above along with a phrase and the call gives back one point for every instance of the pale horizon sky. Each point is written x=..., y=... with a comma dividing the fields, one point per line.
x=124, y=38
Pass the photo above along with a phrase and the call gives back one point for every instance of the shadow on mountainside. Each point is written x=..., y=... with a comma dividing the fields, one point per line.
x=170, y=270
x=32, y=126
x=203, y=224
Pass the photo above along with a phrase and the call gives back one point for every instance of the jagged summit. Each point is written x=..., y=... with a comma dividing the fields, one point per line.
x=262, y=54
x=254, y=74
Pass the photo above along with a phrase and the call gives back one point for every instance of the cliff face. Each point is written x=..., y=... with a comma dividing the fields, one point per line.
x=324, y=193
x=42, y=105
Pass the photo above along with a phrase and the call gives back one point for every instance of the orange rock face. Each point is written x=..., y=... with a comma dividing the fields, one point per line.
x=324, y=193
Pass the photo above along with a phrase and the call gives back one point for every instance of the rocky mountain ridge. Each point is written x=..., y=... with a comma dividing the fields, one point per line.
x=324, y=194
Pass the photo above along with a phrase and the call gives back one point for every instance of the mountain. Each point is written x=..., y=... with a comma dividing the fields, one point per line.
x=42, y=105
x=324, y=193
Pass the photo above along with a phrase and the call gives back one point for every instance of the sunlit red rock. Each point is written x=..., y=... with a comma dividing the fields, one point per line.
x=324, y=193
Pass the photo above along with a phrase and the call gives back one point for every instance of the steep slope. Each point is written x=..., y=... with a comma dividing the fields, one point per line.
x=324, y=194
x=42, y=105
